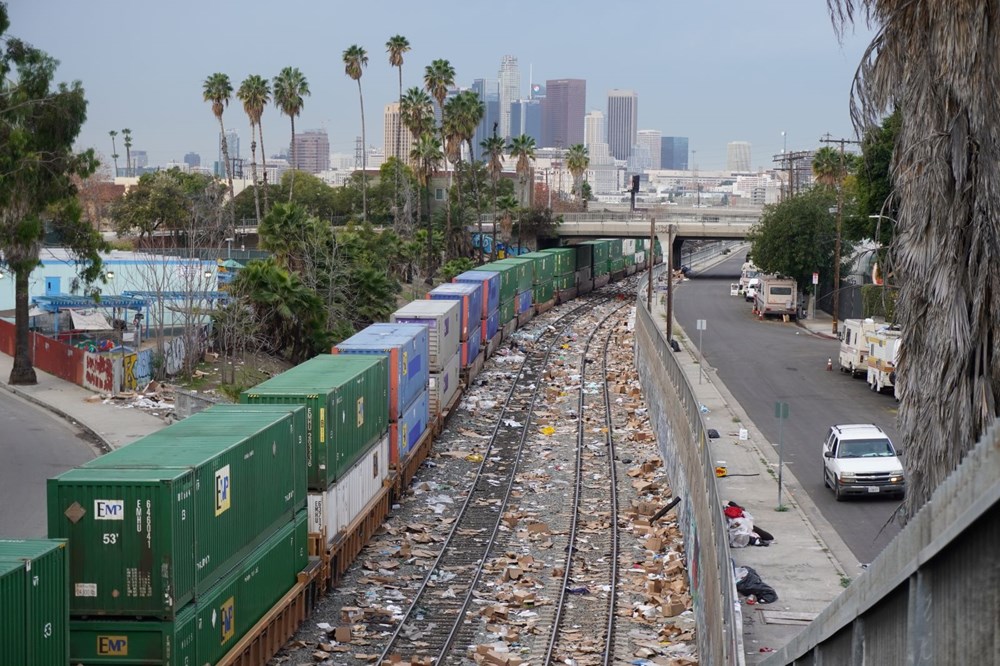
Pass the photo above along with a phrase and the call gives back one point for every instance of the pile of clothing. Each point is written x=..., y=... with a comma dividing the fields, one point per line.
x=742, y=531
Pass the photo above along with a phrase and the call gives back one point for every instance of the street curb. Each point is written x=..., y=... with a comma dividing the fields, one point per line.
x=103, y=444
x=828, y=336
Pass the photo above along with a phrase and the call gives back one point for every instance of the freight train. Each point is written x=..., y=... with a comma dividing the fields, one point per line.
x=210, y=541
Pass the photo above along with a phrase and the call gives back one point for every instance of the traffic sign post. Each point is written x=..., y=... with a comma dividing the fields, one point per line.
x=780, y=413
x=701, y=365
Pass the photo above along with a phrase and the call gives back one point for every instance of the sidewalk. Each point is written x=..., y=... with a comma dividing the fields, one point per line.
x=808, y=565
x=110, y=424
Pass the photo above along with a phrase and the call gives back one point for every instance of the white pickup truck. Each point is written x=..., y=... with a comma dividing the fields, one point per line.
x=859, y=459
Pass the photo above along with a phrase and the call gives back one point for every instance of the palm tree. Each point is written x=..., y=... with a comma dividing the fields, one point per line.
x=290, y=86
x=471, y=111
x=945, y=243
x=427, y=157
x=829, y=166
x=114, y=150
x=217, y=89
x=255, y=93
x=523, y=148
x=453, y=123
x=416, y=112
x=127, y=134
x=494, y=147
x=577, y=162
x=439, y=76
x=396, y=47
x=355, y=61
x=507, y=205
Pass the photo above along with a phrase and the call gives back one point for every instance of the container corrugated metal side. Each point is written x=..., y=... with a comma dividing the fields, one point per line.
x=471, y=347
x=115, y=568
x=411, y=427
x=601, y=268
x=628, y=246
x=490, y=325
x=34, y=602
x=470, y=296
x=629, y=259
x=525, y=271
x=543, y=293
x=442, y=320
x=564, y=259
x=524, y=301
x=297, y=414
x=508, y=310
x=245, y=466
x=561, y=282
x=614, y=247
x=443, y=385
x=584, y=275
x=336, y=508
x=545, y=265
x=408, y=349
x=640, y=244
x=347, y=400
x=640, y=258
x=204, y=631
x=508, y=278
x=584, y=255
x=617, y=264
x=134, y=642
x=490, y=281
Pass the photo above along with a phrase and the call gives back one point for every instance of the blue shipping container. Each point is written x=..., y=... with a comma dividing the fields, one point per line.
x=470, y=295
x=405, y=433
x=406, y=345
x=490, y=280
x=472, y=347
x=490, y=326
x=524, y=301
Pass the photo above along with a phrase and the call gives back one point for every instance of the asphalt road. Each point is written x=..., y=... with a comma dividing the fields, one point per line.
x=36, y=445
x=762, y=362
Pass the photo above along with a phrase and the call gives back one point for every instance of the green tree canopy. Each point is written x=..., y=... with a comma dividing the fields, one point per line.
x=796, y=237
x=873, y=184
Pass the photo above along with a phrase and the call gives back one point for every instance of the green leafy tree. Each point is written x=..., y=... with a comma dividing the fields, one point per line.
x=255, y=93
x=218, y=91
x=39, y=121
x=397, y=46
x=874, y=184
x=172, y=201
x=456, y=266
x=290, y=88
x=796, y=237
x=355, y=60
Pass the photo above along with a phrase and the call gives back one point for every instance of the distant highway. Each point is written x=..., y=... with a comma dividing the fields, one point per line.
x=35, y=444
x=761, y=362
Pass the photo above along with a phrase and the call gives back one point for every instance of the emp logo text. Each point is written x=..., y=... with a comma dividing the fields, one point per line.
x=223, y=490
x=115, y=646
x=109, y=509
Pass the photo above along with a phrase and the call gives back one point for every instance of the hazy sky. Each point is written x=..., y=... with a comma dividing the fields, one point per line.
x=714, y=71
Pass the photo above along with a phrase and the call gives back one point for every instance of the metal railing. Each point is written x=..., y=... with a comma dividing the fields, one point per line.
x=676, y=417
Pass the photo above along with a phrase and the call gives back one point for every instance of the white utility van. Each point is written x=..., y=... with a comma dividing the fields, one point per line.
x=753, y=284
x=854, y=346
x=859, y=459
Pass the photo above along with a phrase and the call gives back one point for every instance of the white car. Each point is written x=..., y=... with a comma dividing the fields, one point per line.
x=751, y=291
x=860, y=459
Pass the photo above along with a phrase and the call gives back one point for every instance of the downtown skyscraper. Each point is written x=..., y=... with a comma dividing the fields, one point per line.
x=510, y=91
x=623, y=114
x=488, y=92
x=562, y=112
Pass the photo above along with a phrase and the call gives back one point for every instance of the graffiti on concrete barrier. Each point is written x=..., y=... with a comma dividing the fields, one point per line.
x=174, y=356
x=99, y=372
x=143, y=367
x=128, y=380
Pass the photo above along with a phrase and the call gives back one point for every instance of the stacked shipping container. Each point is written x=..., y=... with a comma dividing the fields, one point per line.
x=470, y=299
x=442, y=318
x=34, y=602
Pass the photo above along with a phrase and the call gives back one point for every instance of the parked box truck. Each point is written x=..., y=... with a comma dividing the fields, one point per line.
x=777, y=296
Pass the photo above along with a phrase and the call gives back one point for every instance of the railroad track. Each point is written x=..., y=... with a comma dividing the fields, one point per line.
x=584, y=612
x=431, y=622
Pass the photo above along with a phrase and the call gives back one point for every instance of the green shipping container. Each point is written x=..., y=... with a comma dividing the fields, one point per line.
x=614, y=247
x=565, y=260
x=545, y=265
x=525, y=272
x=347, y=404
x=34, y=602
x=156, y=523
x=543, y=293
x=508, y=310
x=203, y=631
x=629, y=259
x=561, y=282
x=508, y=278
x=600, y=251
x=600, y=268
x=584, y=255
x=616, y=265
x=640, y=244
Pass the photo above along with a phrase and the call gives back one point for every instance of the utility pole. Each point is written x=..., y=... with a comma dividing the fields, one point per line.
x=840, y=220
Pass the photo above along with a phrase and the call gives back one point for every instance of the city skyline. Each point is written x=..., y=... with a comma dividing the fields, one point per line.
x=150, y=75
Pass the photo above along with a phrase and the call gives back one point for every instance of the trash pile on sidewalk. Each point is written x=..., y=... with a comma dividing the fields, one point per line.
x=156, y=398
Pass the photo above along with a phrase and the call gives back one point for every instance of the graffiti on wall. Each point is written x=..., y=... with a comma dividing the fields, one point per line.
x=128, y=372
x=174, y=356
x=143, y=369
x=99, y=373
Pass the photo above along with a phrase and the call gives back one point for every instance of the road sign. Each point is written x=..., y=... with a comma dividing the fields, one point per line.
x=701, y=325
x=781, y=410
x=780, y=413
x=815, y=278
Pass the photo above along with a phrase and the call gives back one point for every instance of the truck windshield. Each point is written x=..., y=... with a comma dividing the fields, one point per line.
x=866, y=448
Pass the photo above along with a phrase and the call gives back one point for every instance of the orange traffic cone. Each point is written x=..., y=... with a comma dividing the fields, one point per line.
x=829, y=364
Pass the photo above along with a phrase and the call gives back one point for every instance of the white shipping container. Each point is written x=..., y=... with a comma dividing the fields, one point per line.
x=628, y=246
x=344, y=501
x=640, y=257
x=443, y=386
x=443, y=321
